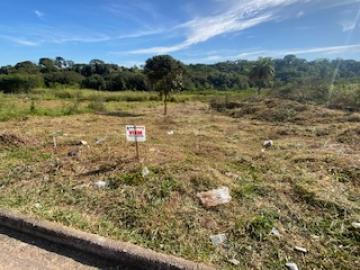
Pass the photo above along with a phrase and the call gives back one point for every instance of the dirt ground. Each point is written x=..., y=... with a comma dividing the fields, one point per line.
x=306, y=186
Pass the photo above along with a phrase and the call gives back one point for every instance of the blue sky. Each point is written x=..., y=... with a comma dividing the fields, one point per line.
x=127, y=32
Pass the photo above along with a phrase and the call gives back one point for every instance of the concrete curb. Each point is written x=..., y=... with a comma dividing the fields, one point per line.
x=124, y=253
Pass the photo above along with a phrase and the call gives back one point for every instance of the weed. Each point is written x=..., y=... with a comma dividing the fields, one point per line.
x=260, y=226
x=134, y=178
x=249, y=190
x=97, y=106
x=311, y=198
x=306, y=184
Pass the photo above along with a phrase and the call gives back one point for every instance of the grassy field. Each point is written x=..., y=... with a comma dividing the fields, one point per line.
x=307, y=185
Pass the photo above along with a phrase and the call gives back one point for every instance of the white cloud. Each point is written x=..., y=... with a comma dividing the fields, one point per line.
x=253, y=54
x=38, y=13
x=339, y=3
x=327, y=50
x=238, y=16
x=45, y=34
x=204, y=35
x=205, y=59
x=19, y=41
x=99, y=37
x=348, y=26
x=324, y=50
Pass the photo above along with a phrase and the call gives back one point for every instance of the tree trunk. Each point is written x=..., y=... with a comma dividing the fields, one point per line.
x=258, y=91
x=165, y=104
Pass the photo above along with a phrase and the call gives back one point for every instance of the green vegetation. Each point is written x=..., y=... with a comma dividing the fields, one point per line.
x=333, y=83
x=165, y=75
x=305, y=186
x=262, y=74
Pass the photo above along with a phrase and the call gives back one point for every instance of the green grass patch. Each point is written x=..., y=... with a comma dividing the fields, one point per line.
x=260, y=226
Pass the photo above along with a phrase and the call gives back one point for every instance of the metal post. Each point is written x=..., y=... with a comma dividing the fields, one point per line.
x=136, y=145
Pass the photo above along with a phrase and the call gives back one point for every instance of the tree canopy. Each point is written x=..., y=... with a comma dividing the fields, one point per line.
x=165, y=75
x=290, y=72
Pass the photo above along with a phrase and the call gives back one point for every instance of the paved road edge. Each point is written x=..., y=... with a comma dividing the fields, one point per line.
x=122, y=252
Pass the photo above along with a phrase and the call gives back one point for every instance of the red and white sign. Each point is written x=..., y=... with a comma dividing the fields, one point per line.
x=135, y=133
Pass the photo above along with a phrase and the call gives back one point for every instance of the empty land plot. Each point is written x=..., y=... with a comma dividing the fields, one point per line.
x=306, y=186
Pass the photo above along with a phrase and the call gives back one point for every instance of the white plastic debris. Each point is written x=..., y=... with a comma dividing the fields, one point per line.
x=300, y=249
x=37, y=205
x=215, y=197
x=275, y=232
x=82, y=142
x=234, y=261
x=101, y=184
x=218, y=239
x=170, y=132
x=315, y=237
x=145, y=171
x=356, y=225
x=268, y=143
x=292, y=266
x=100, y=140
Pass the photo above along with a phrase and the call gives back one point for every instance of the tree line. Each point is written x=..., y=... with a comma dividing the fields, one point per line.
x=230, y=75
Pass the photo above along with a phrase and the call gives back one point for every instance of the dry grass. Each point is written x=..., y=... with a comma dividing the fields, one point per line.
x=306, y=185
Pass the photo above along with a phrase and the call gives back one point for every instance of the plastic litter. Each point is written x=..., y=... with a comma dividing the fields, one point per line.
x=101, y=184
x=145, y=171
x=300, y=249
x=37, y=205
x=215, y=197
x=275, y=232
x=234, y=261
x=268, y=143
x=218, y=239
x=292, y=266
x=100, y=140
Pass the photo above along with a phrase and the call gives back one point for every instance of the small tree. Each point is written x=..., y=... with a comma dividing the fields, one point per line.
x=262, y=74
x=165, y=75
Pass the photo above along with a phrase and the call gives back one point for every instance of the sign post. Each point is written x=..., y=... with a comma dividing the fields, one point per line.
x=135, y=134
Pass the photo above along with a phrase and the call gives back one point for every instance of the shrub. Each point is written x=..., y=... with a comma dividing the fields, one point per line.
x=303, y=92
x=63, y=77
x=15, y=83
x=94, y=82
x=345, y=99
x=97, y=105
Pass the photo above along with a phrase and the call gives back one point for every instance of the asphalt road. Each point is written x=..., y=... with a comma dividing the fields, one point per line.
x=22, y=252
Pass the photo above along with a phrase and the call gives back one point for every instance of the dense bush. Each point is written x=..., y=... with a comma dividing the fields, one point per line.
x=94, y=82
x=345, y=99
x=14, y=83
x=303, y=91
x=63, y=77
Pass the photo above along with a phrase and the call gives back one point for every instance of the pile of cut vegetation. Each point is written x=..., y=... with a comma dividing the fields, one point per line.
x=350, y=136
x=278, y=110
x=10, y=139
